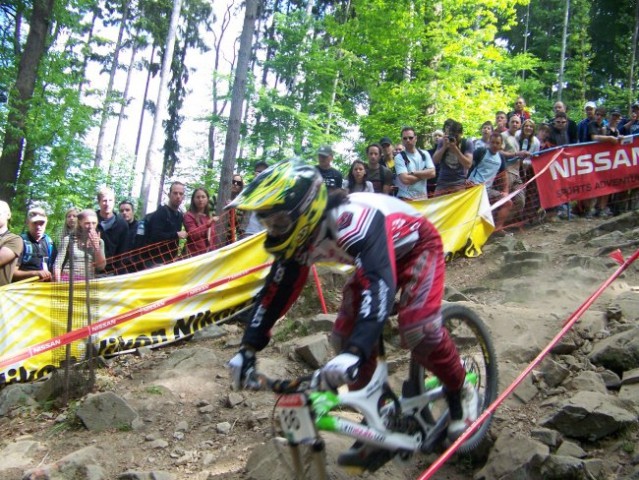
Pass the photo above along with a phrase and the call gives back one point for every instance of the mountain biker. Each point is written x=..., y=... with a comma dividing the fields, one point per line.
x=391, y=245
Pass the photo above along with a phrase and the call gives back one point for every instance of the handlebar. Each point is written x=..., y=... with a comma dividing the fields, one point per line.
x=259, y=381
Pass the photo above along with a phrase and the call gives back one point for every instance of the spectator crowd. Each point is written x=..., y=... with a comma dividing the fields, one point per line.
x=109, y=242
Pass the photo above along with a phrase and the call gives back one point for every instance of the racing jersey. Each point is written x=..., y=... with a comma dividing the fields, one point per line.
x=379, y=235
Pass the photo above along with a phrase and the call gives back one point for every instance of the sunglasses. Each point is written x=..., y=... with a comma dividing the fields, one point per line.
x=239, y=183
x=407, y=138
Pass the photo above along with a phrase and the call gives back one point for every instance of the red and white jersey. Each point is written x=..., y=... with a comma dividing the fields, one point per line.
x=378, y=234
x=347, y=228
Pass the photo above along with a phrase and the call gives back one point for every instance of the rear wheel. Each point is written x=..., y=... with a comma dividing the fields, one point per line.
x=475, y=348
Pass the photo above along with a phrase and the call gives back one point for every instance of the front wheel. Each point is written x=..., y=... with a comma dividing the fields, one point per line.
x=477, y=353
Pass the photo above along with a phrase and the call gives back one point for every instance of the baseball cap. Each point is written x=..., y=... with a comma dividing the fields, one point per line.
x=635, y=105
x=615, y=111
x=325, y=151
x=385, y=141
x=36, y=214
x=590, y=105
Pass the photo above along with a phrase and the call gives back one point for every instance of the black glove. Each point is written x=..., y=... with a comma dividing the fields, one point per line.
x=242, y=367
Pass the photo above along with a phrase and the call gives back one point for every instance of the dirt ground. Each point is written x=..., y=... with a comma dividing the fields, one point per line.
x=182, y=393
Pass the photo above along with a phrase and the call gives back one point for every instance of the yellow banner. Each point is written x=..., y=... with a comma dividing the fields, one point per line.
x=34, y=312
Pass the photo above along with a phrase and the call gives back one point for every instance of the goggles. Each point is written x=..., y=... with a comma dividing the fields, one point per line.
x=277, y=224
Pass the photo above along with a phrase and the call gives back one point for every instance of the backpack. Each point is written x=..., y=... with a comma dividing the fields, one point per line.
x=143, y=234
x=28, y=247
x=407, y=161
x=478, y=157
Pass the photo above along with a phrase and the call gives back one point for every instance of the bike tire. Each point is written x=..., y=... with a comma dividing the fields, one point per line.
x=475, y=347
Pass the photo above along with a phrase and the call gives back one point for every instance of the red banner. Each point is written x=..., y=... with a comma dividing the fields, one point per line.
x=586, y=171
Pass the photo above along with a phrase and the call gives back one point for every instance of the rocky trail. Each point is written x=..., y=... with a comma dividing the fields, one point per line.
x=170, y=414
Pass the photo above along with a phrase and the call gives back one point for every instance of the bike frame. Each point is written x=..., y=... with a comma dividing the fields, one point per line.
x=373, y=430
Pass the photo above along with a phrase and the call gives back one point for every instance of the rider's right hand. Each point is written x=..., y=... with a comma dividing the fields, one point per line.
x=242, y=367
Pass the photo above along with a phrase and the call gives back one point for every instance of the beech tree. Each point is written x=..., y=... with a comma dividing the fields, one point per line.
x=20, y=96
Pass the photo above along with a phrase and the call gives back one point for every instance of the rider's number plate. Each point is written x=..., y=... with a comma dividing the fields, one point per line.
x=295, y=418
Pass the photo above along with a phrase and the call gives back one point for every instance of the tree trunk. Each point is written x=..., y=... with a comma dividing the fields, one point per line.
x=217, y=109
x=109, y=92
x=125, y=101
x=138, y=138
x=151, y=153
x=633, y=59
x=15, y=134
x=562, y=60
x=85, y=61
x=237, y=100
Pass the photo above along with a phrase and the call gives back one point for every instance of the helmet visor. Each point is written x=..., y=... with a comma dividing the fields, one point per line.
x=277, y=224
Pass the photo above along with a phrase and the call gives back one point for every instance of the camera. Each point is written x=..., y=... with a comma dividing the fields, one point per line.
x=452, y=139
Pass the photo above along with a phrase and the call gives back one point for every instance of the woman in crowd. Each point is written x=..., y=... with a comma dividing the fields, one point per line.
x=198, y=223
x=70, y=222
x=85, y=251
x=528, y=142
x=357, y=180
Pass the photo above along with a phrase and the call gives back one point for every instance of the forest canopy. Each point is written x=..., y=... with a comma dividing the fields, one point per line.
x=318, y=72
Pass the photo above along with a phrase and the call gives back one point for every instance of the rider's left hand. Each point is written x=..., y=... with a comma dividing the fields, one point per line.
x=340, y=370
x=242, y=367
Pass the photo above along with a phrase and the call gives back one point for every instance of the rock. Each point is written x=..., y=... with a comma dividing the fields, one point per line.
x=588, y=381
x=104, y=411
x=159, y=444
x=546, y=436
x=554, y=373
x=519, y=268
x=590, y=415
x=133, y=475
x=79, y=465
x=630, y=377
x=611, y=239
x=223, y=428
x=626, y=221
x=592, y=325
x=619, y=352
x=557, y=467
x=630, y=393
x=614, y=312
x=594, y=468
x=513, y=456
x=234, y=399
x=526, y=390
x=323, y=322
x=451, y=294
x=188, y=359
x=628, y=303
x=143, y=352
x=18, y=454
x=182, y=426
x=264, y=464
x=54, y=386
x=314, y=350
x=17, y=394
x=571, y=449
x=591, y=263
x=567, y=344
x=210, y=332
x=611, y=379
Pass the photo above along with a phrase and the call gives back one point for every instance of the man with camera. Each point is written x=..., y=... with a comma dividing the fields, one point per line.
x=454, y=156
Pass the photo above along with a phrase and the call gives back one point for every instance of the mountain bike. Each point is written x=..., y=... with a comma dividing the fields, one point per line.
x=399, y=426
